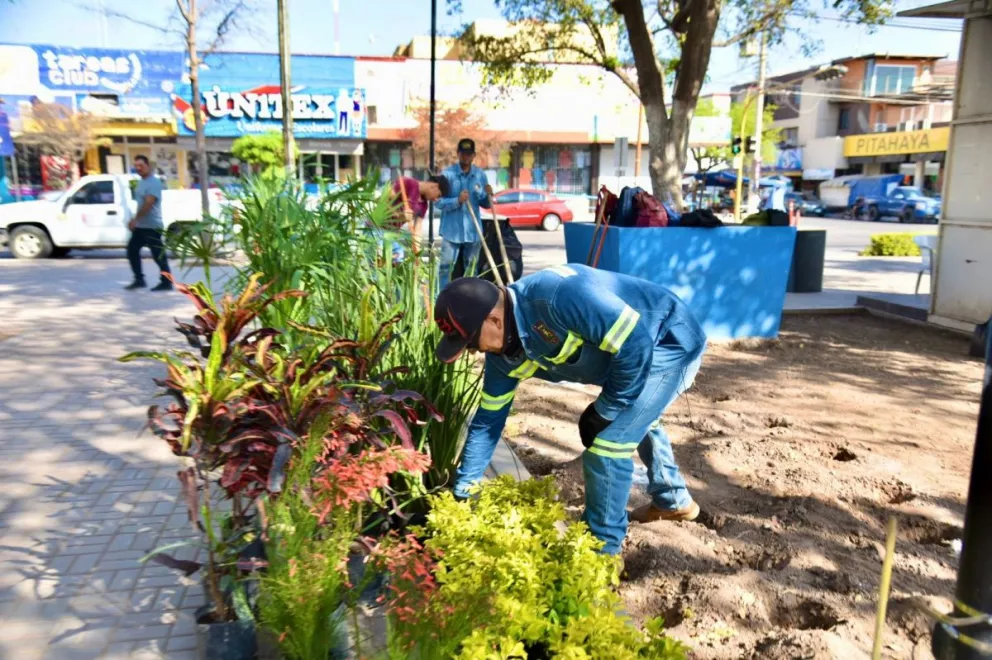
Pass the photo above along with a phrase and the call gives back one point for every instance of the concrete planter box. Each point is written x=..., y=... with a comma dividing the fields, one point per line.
x=733, y=278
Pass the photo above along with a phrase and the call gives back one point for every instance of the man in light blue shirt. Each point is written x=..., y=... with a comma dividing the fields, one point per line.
x=146, y=227
x=469, y=190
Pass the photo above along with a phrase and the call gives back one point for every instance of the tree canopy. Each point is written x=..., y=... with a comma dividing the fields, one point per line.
x=660, y=50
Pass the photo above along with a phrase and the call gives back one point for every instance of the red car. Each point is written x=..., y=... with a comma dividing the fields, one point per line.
x=532, y=208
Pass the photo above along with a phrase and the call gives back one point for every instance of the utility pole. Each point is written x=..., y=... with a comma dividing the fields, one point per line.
x=431, y=163
x=961, y=639
x=285, y=84
x=759, y=109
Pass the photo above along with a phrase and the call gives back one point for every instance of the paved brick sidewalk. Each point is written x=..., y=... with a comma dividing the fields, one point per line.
x=84, y=495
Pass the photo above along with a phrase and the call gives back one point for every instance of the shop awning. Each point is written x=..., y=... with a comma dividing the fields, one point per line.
x=138, y=129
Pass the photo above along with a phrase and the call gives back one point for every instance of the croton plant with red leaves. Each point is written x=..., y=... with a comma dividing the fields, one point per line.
x=244, y=405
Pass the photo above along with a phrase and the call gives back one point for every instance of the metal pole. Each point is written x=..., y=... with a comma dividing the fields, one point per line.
x=431, y=161
x=759, y=110
x=739, y=189
x=286, y=84
x=17, y=183
x=973, y=596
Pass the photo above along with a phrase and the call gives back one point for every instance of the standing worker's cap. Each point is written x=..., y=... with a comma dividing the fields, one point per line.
x=460, y=311
x=466, y=145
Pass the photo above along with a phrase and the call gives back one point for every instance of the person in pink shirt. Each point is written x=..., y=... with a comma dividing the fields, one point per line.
x=413, y=197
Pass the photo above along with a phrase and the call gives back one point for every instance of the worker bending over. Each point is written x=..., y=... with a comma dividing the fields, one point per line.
x=636, y=339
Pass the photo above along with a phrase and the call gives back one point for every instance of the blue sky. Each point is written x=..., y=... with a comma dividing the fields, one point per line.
x=378, y=32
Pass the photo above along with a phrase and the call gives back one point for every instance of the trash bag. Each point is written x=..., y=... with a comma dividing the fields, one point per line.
x=514, y=252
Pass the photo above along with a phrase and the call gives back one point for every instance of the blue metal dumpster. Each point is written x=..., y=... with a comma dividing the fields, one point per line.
x=733, y=278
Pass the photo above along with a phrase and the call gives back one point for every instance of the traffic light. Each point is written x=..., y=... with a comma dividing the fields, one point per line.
x=735, y=146
x=749, y=146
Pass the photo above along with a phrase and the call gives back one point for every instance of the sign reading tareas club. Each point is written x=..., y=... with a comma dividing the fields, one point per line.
x=317, y=113
x=903, y=142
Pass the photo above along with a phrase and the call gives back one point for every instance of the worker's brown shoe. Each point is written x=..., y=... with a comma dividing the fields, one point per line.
x=650, y=513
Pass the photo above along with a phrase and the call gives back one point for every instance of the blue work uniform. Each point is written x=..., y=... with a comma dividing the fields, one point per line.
x=637, y=340
x=457, y=228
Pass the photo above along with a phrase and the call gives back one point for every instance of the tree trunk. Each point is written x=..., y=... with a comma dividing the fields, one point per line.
x=668, y=129
x=201, y=138
x=666, y=167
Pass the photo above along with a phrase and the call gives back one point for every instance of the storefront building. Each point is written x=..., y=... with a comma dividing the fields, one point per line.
x=917, y=155
x=240, y=95
x=125, y=91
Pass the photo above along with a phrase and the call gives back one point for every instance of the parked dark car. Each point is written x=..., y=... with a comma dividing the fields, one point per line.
x=806, y=203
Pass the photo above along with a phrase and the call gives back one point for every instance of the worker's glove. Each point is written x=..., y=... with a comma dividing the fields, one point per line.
x=591, y=424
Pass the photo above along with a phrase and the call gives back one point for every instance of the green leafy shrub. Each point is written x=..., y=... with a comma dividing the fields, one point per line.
x=263, y=152
x=891, y=245
x=338, y=249
x=496, y=578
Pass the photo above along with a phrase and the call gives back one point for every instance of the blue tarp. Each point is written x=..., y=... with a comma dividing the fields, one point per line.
x=722, y=178
x=872, y=186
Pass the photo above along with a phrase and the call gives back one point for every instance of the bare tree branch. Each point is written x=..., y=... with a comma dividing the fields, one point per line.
x=224, y=25
x=756, y=27
x=184, y=11
x=113, y=13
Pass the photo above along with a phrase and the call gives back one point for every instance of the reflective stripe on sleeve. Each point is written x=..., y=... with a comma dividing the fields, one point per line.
x=564, y=271
x=614, y=339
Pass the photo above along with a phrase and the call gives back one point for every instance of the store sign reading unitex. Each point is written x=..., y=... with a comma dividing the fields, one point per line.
x=260, y=110
x=903, y=142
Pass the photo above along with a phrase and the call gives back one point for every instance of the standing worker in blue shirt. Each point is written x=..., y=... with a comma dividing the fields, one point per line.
x=469, y=188
x=636, y=339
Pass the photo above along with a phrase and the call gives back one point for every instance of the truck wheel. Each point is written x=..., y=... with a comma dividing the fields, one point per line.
x=906, y=217
x=873, y=214
x=30, y=242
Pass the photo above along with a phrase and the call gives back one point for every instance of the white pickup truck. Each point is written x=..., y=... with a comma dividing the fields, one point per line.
x=92, y=214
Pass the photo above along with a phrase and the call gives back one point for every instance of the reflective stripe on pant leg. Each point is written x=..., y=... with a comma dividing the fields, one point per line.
x=608, y=482
x=494, y=403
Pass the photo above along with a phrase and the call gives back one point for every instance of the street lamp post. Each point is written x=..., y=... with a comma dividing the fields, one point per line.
x=431, y=161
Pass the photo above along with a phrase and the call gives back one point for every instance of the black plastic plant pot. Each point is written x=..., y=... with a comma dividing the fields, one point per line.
x=232, y=640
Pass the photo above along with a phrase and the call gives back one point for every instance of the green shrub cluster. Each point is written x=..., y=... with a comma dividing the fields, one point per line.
x=891, y=245
x=512, y=581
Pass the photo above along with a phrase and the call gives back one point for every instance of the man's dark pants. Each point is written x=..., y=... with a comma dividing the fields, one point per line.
x=152, y=239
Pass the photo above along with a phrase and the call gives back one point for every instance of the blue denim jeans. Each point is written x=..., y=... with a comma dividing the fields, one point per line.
x=609, y=473
x=449, y=256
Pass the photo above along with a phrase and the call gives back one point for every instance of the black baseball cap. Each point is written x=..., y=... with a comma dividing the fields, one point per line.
x=466, y=145
x=460, y=311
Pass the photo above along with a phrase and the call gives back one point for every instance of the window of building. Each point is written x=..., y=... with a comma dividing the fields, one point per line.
x=373, y=115
x=562, y=169
x=844, y=119
x=790, y=137
x=892, y=79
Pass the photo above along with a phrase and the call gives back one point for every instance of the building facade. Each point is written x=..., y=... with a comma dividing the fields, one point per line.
x=887, y=114
x=351, y=115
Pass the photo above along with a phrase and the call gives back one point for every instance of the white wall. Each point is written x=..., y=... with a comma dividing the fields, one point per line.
x=962, y=291
x=578, y=99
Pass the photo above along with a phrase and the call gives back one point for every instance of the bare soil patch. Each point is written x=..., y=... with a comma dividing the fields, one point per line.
x=798, y=450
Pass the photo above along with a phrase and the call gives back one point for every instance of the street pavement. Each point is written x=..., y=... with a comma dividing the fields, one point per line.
x=87, y=494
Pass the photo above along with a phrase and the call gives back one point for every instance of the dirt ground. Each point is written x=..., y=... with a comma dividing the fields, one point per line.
x=798, y=450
